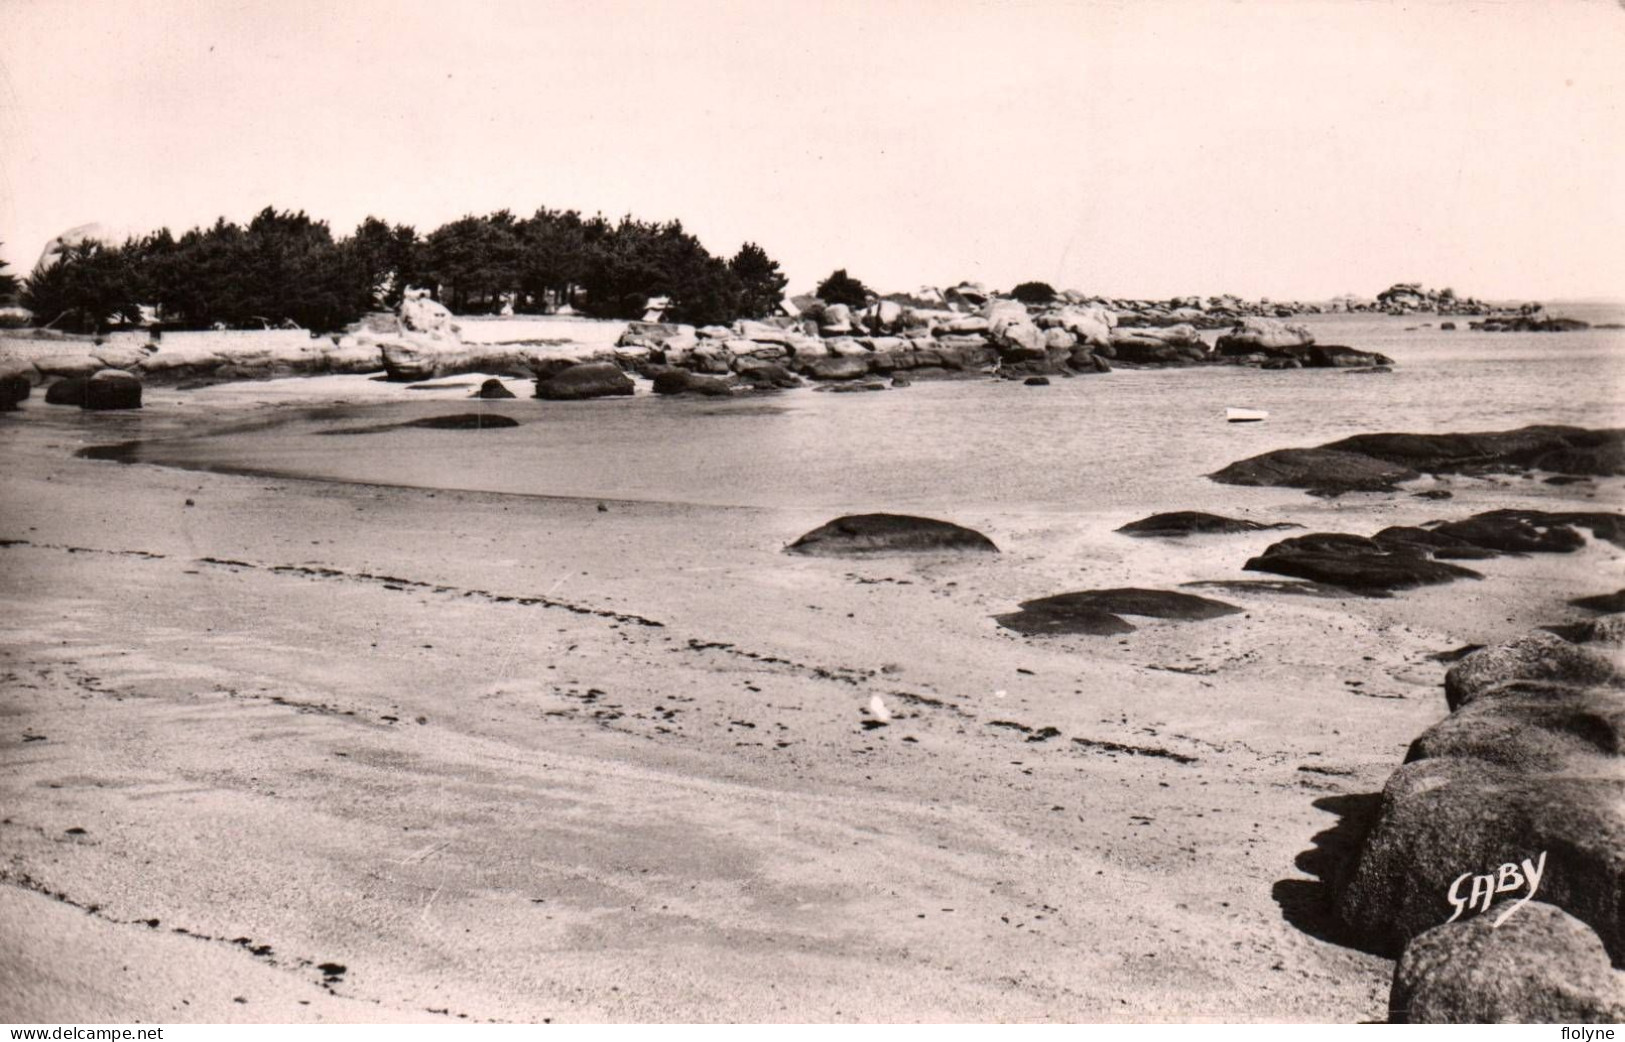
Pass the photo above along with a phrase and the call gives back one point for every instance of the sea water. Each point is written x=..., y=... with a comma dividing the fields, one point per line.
x=1131, y=441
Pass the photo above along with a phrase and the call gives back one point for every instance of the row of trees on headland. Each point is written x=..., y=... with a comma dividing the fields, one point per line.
x=286, y=267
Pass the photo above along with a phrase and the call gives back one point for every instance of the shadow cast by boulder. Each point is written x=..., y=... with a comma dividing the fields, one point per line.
x=1311, y=904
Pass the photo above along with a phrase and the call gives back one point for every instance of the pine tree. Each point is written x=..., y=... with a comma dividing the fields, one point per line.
x=761, y=284
x=841, y=288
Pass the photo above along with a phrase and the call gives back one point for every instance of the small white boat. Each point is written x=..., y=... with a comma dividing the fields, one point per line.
x=1245, y=415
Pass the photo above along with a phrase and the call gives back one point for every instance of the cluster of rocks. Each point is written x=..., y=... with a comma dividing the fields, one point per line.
x=1524, y=772
x=973, y=334
x=1537, y=322
x=1379, y=462
x=1003, y=337
x=1402, y=557
x=99, y=388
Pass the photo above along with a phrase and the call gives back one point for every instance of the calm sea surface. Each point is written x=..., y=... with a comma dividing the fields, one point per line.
x=1136, y=440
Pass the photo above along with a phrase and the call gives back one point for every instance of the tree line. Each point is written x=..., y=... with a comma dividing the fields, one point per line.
x=286, y=267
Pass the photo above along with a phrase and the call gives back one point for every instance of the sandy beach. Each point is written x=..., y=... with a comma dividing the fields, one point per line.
x=392, y=753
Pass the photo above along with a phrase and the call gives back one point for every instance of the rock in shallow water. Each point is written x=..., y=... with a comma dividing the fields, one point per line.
x=14, y=389
x=889, y=533
x=70, y=391
x=1541, y=966
x=465, y=421
x=112, y=389
x=491, y=389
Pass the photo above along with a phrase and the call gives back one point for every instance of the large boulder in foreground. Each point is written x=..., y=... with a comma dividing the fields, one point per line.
x=1533, y=656
x=1534, y=726
x=1445, y=816
x=112, y=389
x=1181, y=523
x=1098, y=612
x=585, y=380
x=857, y=534
x=1541, y=966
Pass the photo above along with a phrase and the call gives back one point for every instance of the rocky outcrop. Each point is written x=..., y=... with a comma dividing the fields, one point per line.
x=1403, y=557
x=1263, y=336
x=861, y=534
x=584, y=380
x=1378, y=462
x=1012, y=331
x=1099, y=612
x=1542, y=966
x=1522, y=779
x=112, y=389
x=1538, y=322
x=1182, y=523
x=1324, y=471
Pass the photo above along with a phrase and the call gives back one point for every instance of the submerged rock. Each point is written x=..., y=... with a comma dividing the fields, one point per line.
x=1193, y=522
x=889, y=533
x=585, y=380
x=1541, y=966
x=465, y=421
x=1098, y=612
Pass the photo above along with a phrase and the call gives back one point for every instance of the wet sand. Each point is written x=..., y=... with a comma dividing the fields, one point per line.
x=306, y=724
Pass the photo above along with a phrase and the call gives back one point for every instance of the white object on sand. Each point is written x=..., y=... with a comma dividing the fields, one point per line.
x=1245, y=415
x=878, y=710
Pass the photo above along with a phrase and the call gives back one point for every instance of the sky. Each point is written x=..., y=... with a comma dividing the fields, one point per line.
x=1297, y=149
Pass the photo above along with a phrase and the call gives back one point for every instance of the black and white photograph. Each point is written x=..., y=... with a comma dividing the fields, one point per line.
x=660, y=512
